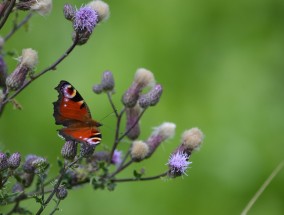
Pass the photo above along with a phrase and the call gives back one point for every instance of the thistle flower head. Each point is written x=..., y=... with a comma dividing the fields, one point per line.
x=85, y=19
x=3, y=161
x=42, y=7
x=87, y=150
x=69, y=150
x=107, y=81
x=40, y=165
x=14, y=160
x=178, y=164
x=139, y=150
x=102, y=9
x=117, y=157
x=152, y=97
x=61, y=192
x=3, y=71
x=192, y=138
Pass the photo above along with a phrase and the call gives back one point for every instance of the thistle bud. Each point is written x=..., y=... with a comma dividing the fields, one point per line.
x=27, y=166
x=16, y=79
x=61, y=193
x=69, y=150
x=143, y=78
x=107, y=81
x=27, y=179
x=97, y=88
x=139, y=150
x=40, y=165
x=132, y=115
x=3, y=72
x=160, y=134
x=69, y=12
x=29, y=58
x=87, y=150
x=17, y=188
x=192, y=139
x=14, y=160
x=152, y=97
x=178, y=164
x=3, y=161
x=102, y=9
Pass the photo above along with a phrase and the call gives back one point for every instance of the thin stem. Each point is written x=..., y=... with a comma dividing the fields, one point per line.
x=112, y=104
x=17, y=26
x=120, y=169
x=124, y=159
x=116, y=134
x=7, y=13
x=56, y=207
x=60, y=178
x=51, y=67
x=263, y=187
x=140, y=179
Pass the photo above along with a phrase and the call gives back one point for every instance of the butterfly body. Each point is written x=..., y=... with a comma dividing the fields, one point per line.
x=71, y=111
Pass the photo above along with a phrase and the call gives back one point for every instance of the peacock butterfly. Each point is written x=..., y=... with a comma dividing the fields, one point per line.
x=71, y=111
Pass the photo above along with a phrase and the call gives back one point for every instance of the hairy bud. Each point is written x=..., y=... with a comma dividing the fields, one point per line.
x=61, y=193
x=69, y=150
x=3, y=161
x=107, y=81
x=152, y=97
x=69, y=12
x=132, y=115
x=87, y=150
x=102, y=9
x=14, y=160
x=97, y=88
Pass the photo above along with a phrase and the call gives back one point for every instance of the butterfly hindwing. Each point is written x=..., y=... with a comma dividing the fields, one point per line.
x=71, y=111
x=70, y=105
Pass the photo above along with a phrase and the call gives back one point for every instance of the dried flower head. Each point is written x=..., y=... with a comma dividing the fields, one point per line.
x=144, y=78
x=61, y=192
x=3, y=161
x=14, y=160
x=117, y=157
x=152, y=97
x=178, y=164
x=42, y=7
x=160, y=134
x=139, y=150
x=192, y=138
x=102, y=9
x=29, y=58
x=85, y=19
x=69, y=12
x=107, y=81
x=132, y=116
x=16, y=79
x=69, y=150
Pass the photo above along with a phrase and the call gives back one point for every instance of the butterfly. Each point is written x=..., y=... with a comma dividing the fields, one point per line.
x=71, y=111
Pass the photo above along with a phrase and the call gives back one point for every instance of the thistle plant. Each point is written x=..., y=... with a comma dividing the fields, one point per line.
x=26, y=178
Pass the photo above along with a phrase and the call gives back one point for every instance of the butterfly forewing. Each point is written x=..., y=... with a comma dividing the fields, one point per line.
x=71, y=111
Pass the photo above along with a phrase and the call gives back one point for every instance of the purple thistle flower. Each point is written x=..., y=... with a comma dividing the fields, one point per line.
x=178, y=164
x=14, y=160
x=116, y=158
x=3, y=161
x=85, y=19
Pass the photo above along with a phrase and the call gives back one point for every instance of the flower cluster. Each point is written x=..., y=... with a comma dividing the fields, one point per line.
x=82, y=162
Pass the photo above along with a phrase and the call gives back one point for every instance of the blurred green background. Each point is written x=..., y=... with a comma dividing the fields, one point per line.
x=222, y=68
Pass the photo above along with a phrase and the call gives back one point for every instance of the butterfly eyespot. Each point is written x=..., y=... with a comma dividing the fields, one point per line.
x=69, y=91
x=93, y=140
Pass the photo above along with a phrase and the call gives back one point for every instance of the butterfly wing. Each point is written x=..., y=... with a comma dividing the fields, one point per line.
x=83, y=134
x=70, y=105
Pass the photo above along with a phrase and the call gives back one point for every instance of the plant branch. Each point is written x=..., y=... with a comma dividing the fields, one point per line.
x=120, y=169
x=112, y=104
x=17, y=26
x=140, y=179
x=7, y=13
